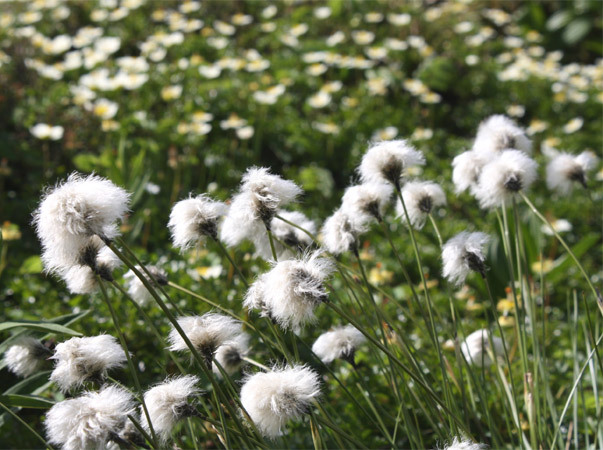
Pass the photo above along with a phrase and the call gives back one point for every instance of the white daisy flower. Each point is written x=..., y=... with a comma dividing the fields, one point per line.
x=476, y=348
x=512, y=171
x=272, y=399
x=387, y=162
x=467, y=167
x=420, y=197
x=288, y=239
x=168, y=402
x=340, y=233
x=341, y=342
x=365, y=203
x=462, y=254
x=86, y=358
x=260, y=196
x=25, y=357
x=206, y=333
x=289, y=293
x=89, y=421
x=194, y=218
x=229, y=355
x=498, y=133
x=136, y=288
x=45, y=131
x=565, y=169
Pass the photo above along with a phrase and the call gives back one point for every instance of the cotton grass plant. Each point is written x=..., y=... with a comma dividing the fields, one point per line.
x=310, y=328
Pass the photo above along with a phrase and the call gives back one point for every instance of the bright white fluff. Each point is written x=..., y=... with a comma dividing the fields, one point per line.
x=365, y=203
x=80, y=359
x=73, y=211
x=462, y=254
x=467, y=167
x=464, y=444
x=290, y=291
x=206, y=333
x=387, y=161
x=261, y=194
x=420, y=197
x=26, y=356
x=168, y=402
x=477, y=346
x=229, y=355
x=497, y=133
x=89, y=421
x=339, y=232
x=565, y=169
x=194, y=218
x=272, y=399
x=512, y=171
x=341, y=342
x=293, y=237
x=137, y=290
x=96, y=259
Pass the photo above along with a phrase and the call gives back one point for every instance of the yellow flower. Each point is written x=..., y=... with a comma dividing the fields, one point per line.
x=472, y=305
x=544, y=266
x=109, y=125
x=10, y=231
x=505, y=305
x=378, y=275
x=506, y=321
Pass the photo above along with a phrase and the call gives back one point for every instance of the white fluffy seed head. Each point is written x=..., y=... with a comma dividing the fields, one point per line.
x=81, y=278
x=366, y=203
x=341, y=342
x=290, y=292
x=497, y=133
x=512, y=171
x=420, y=198
x=272, y=399
x=229, y=354
x=564, y=170
x=260, y=196
x=339, y=232
x=467, y=167
x=194, y=218
x=462, y=254
x=74, y=210
x=206, y=333
x=168, y=402
x=464, y=444
x=25, y=356
x=89, y=421
x=387, y=161
x=81, y=359
x=476, y=348
x=137, y=290
x=288, y=240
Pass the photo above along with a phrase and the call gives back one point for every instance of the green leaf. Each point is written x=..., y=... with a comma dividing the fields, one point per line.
x=576, y=30
x=26, y=401
x=30, y=384
x=33, y=264
x=558, y=20
x=564, y=262
x=44, y=326
x=85, y=162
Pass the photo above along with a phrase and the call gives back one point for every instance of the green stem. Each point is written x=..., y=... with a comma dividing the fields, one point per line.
x=26, y=425
x=234, y=265
x=436, y=229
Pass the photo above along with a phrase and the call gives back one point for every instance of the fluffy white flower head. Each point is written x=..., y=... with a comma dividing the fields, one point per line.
x=512, y=171
x=420, y=197
x=260, y=196
x=497, y=133
x=386, y=161
x=26, y=356
x=272, y=399
x=467, y=167
x=206, y=333
x=168, y=402
x=340, y=233
x=462, y=254
x=288, y=239
x=229, y=355
x=464, y=444
x=365, y=203
x=89, y=421
x=476, y=348
x=80, y=359
x=290, y=292
x=95, y=259
x=341, y=342
x=565, y=169
x=194, y=218
x=137, y=289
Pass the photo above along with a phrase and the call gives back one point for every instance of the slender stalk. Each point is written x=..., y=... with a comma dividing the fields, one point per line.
x=224, y=251
x=271, y=240
x=436, y=229
x=303, y=230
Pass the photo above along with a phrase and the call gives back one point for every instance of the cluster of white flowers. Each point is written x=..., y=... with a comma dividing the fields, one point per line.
x=463, y=254
x=341, y=342
x=420, y=197
x=478, y=347
x=26, y=356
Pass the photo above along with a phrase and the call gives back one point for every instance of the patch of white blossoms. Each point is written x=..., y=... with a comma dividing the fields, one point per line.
x=478, y=347
x=288, y=239
x=497, y=133
x=194, y=218
x=340, y=342
x=388, y=162
x=463, y=254
x=340, y=233
x=136, y=288
x=25, y=356
x=420, y=198
x=564, y=170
